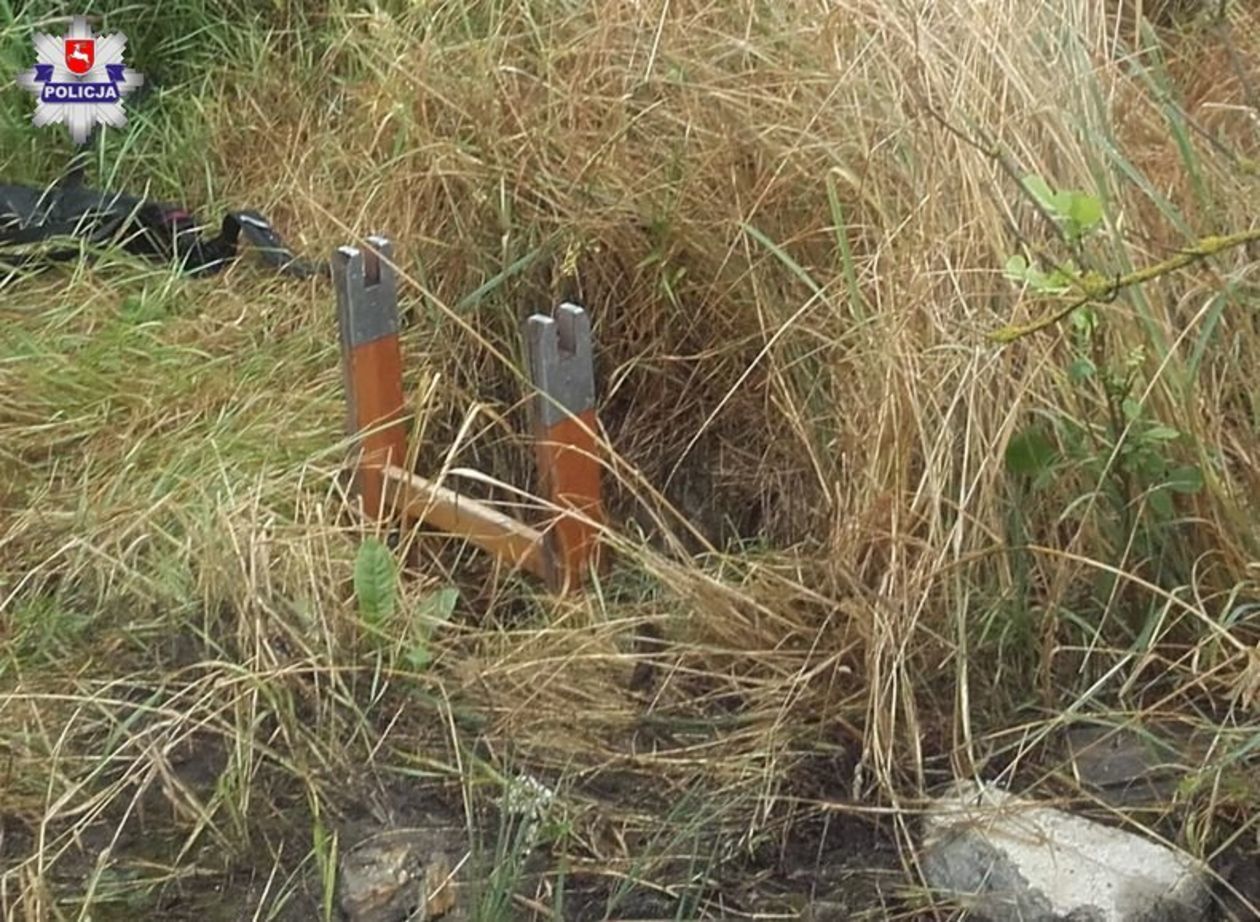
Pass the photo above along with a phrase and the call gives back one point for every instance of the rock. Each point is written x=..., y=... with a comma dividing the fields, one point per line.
x=396, y=877
x=1011, y=859
x=1140, y=766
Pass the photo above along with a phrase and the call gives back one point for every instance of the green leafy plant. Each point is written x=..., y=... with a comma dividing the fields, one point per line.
x=375, y=583
x=1059, y=281
x=1112, y=442
x=1077, y=213
x=434, y=610
x=1078, y=216
x=1131, y=454
x=376, y=589
x=1120, y=449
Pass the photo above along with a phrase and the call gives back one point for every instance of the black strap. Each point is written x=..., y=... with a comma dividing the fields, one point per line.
x=154, y=230
x=263, y=237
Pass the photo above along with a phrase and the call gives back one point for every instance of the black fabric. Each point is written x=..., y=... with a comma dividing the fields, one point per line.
x=154, y=230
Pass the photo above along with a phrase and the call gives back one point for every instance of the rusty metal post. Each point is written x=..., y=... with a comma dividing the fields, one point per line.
x=371, y=362
x=561, y=368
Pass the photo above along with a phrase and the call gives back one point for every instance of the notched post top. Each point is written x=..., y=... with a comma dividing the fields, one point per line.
x=561, y=364
x=367, y=292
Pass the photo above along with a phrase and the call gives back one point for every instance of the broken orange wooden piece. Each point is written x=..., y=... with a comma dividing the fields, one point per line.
x=513, y=542
x=564, y=426
x=371, y=361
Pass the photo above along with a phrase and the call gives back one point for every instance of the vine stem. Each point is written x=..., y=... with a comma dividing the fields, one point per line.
x=1096, y=290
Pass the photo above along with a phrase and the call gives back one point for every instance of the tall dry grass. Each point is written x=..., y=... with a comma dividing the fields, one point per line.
x=789, y=226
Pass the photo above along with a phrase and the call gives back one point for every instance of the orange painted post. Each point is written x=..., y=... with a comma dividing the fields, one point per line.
x=371, y=362
x=561, y=367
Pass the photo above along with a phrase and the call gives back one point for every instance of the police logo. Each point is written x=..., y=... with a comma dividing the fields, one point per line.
x=80, y=80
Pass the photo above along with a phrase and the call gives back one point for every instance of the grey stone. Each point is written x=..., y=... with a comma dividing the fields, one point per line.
x=1131, y=766
x=1013, y=860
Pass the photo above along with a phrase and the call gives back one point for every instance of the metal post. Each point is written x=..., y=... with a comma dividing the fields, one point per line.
x=561, y=368
x=371, y=362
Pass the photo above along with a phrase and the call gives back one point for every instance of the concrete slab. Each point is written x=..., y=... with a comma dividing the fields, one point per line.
x=1013, y=860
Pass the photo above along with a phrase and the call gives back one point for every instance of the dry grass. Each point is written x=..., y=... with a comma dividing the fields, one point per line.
x=791, y=262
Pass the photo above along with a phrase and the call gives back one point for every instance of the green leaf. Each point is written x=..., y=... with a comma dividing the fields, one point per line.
x=1081, y=369
x=437, y=607
x=418, y=657
x=1017, y=268
x=1085, y=210
x=1188, y=479
x=1040, y=190
x=1054, y=283
x=1161, y=502
x=1061, y=204
x=375, y=581
x=1059, y=280
x=1085, y=320
x=1030, y=452
x=1148, y=463
x=1159, y=433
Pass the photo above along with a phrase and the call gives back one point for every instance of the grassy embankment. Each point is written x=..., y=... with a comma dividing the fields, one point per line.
x=880, y=549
